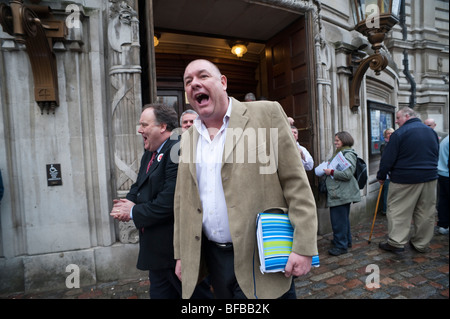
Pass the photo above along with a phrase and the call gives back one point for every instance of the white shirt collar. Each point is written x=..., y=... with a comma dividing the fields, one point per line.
x=201, y=128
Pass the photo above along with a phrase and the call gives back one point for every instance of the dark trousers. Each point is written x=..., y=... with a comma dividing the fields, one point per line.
x=340, y=223
x=220, y=263
x=164, y=284
x=443, y=202
x=385, y=194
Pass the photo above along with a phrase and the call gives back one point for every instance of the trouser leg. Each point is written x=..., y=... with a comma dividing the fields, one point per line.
x=164, y=284
x=339, y=216
x=443, y=204
x=401, y=204
x=220, y=263
x=424, y=216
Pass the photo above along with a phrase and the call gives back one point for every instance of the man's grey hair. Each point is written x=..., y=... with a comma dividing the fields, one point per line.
x=408, y=111
x=187, y=112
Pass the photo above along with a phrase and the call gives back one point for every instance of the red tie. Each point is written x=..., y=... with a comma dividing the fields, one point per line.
x=151, y=161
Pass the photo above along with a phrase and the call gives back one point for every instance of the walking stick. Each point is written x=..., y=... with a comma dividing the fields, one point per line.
x=376, y=209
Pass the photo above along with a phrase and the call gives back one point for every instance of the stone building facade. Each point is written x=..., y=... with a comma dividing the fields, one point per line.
x=107, y=67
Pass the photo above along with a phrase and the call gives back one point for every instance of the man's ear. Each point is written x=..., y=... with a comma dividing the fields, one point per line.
x=224, y=80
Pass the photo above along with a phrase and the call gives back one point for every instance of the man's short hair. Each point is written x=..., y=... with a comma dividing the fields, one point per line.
x=187, y=112
x=164, y=114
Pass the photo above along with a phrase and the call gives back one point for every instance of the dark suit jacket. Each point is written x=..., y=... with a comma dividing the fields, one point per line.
x=153, y=195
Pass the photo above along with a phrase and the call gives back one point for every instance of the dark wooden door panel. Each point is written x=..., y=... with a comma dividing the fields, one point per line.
x=289, y=80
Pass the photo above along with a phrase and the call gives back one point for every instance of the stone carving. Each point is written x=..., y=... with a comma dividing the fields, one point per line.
x=124, y=72
x=128, y=233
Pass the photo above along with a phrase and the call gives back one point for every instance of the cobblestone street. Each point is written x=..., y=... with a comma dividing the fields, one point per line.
x=409, y=275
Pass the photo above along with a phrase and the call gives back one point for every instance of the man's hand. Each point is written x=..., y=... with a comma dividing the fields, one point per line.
x=178, y=269
x=302, y=155
x=297, y=265
x=121, y=209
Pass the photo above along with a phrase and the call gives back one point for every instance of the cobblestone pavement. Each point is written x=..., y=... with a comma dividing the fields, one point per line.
x=409, y=275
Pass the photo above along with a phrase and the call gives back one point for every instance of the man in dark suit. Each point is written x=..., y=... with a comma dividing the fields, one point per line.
x=150, y=201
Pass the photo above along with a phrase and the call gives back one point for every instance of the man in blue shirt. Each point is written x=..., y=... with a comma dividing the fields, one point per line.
x=410, y=158
x=444, y=195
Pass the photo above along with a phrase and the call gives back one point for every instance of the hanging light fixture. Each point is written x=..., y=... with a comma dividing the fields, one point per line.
x=373, y=19
x=156, y=37
x=239, y=48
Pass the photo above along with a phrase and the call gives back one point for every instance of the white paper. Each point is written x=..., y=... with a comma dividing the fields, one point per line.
x=339, y=163
x=319, y=169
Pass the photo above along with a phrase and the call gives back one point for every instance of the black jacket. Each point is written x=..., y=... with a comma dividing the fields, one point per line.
x=153, y=194
x=411, y=156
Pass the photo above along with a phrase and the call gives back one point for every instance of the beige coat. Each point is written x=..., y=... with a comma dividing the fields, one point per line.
x=251, y=184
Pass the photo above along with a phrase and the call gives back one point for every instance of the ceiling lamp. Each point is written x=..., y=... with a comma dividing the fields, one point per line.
x=156, y=39
x=239, y=48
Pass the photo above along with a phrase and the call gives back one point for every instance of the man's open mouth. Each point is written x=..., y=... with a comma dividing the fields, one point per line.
x=202, y=98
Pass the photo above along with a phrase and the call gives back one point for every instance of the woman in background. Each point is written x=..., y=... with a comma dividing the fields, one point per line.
x=342, y=190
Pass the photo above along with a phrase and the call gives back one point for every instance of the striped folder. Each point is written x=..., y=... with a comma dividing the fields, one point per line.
x=274, y=234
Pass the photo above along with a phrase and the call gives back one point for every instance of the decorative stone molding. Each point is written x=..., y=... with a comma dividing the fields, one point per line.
x=125, y=97
x=128, y=233
x=35, y=27
x=294, y=5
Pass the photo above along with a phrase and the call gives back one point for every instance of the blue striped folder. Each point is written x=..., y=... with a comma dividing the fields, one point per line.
x=274, y=234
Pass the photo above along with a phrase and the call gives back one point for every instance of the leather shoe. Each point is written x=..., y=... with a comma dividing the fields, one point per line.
x=387, y=247
x=425, y=250
x=337, y=251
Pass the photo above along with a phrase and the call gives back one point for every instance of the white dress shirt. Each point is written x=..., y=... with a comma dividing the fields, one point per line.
x=209, y=166
x=308, y=162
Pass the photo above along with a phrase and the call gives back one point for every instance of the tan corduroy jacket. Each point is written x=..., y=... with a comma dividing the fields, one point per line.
x=261, y=169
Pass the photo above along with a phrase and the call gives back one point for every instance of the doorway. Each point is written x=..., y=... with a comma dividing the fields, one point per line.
x=290, y=79
x=278, y=65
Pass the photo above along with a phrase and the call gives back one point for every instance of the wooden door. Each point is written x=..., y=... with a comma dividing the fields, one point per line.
x=289, y=80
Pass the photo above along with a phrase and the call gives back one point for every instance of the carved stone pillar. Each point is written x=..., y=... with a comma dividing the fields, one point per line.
x=323, y=73
x=125, y=97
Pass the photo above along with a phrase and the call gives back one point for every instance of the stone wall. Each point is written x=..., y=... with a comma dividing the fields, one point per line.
x=92, y=137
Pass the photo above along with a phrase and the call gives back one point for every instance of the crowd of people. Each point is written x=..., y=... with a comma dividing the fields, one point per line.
x=196, y=218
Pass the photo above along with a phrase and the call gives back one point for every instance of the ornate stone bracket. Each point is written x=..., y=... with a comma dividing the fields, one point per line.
x=35, y=27
x=376, y=62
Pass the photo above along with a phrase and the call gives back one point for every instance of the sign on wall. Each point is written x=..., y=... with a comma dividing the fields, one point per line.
x=54, y=177
x=381, y=117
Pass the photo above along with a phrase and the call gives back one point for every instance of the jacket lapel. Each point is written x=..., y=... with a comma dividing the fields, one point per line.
x=237, y=124
x=193, y=156
x=155, y=163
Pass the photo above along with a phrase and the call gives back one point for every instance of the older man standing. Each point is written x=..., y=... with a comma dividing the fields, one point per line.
x=411, y=159
x=150, y=203
x=187, y=119
x=432, y=123
x=225, y=178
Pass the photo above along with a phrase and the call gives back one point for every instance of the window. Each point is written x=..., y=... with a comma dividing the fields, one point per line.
x=172, y=98
x=381, y=117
